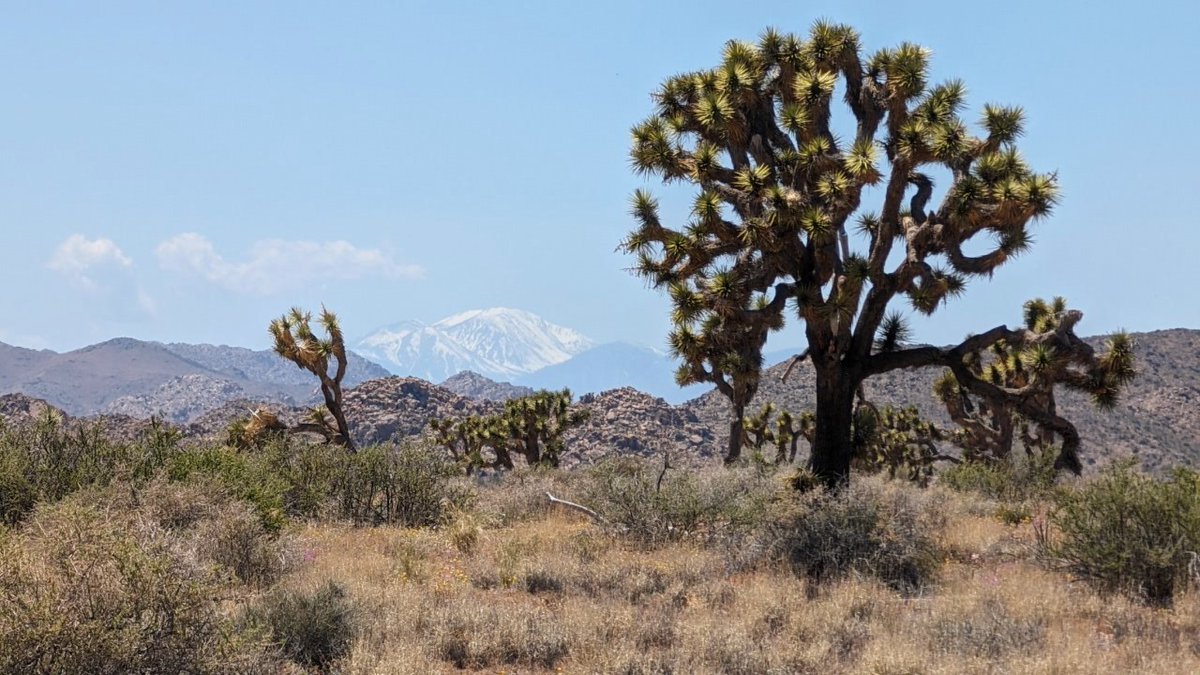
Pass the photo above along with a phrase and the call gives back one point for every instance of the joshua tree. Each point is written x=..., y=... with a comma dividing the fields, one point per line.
x=896, y=440
x=537, y=423
x=531, y=426
x=757, y=429
x=466, y=439
x=295, y=341
x=787, y=436
x=778, y=192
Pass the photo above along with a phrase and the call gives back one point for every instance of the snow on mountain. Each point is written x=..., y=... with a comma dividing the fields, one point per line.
x=498, y=343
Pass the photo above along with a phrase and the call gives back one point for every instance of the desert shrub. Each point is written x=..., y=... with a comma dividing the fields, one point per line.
x=463, y=528
x=18, y=495
x=885, y=531
x=221, y=530
x=239, y=542
x=405, y=485
x=310, y=471
x=516, y=496
x=314, y=629
x=84, y=591
x=685, y=504
x=249, y=476
x=991, y=632
x=154, y=449
x=1128, y=532
x=48, y=459
x=1019, y=479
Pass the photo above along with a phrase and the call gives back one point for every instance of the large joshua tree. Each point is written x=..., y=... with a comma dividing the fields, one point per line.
x=296, y=342
x=782, y=177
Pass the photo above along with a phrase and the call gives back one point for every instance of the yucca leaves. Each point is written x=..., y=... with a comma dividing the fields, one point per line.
x=893, y=333
x=794, y=117
x=813, y=88
x=1004, y=124
x=714, y=110
x=906, y=70
x=860, y=162
x=752, y=179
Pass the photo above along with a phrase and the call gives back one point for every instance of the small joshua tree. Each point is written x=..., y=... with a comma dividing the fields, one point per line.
x=779, y=194
x=295, y=341
x=531, y=426
x=757, y=428
x=468, y=439
x=537, y=423
x=896, y=440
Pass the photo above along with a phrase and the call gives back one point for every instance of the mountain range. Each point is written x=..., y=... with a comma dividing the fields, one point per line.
x=175, y=381
x=520, y=348
x=498, y=343
x=499, y=353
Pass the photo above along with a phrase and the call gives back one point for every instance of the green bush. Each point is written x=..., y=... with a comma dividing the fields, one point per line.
x=87, y=590
x=1030, y=477
x=250, y=476
x=48, y=459
x=311, y=473
x=1128, y=532
x=686, y=504
x=314, y=629
x=885, y=531
x=222, y=531
x=407, y=485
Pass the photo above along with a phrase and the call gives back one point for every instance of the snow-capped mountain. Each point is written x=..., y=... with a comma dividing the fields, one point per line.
x=499, y=343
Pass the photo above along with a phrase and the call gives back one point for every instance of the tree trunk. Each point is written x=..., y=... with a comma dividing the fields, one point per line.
x=832, y=446
x=533, y=453
x=734, y=451
x=333, y=402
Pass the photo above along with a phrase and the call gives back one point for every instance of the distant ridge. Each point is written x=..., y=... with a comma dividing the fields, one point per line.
x=140, y=374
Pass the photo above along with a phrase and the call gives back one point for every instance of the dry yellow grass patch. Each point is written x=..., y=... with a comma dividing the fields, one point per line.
x=557, y=594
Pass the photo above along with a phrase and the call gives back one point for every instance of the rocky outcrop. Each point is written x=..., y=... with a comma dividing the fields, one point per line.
x=181, y=399
x=17, y=410
x=396, y=408
x=473, y=385
x=629, y=422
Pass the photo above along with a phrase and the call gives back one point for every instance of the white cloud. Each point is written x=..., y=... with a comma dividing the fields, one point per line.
x=107, y=277
x=275, y=265
x=79, y=259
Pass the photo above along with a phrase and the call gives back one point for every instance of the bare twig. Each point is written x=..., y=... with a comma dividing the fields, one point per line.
x=661, y=474
x=792, y=364
x=578, y=507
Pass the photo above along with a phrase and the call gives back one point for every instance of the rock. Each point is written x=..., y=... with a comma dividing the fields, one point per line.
x=476, y=386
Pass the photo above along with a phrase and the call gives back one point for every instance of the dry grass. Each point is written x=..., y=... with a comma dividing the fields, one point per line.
x=553, y=593
x=510, y=585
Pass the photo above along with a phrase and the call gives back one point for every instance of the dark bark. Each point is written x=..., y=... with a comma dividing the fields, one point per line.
x=333, y=401
x=736, y=433
x=832, y=444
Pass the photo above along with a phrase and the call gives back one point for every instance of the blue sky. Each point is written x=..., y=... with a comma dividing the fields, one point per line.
x=187, y=171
